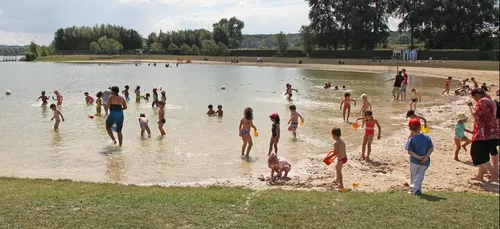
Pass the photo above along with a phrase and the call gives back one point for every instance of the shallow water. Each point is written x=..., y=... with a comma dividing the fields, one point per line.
x=196, y=147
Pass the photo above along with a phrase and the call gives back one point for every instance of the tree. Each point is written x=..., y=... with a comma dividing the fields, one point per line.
x=323, y=23
x=104, y=44
x=233, y=28
x=30, y=56
x=220, y=34
x=33, y=49
x=307, y=38
x=173, y=48
x=223, y=50
x=209, y=48
x=195, y=50
x=156, y=47
x=94, y=47
x=185, y=49
x=44, y=51
x=282, y=43
x=115, y=46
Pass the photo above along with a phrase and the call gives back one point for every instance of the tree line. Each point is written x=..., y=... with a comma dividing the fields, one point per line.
x=12, y=50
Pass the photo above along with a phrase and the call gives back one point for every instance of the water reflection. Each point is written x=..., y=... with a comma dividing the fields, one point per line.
x=115, y=167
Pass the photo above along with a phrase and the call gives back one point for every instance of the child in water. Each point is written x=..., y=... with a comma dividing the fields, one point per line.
x=56, y=116
x=98, y=102
x=294, y=120
x=155, y=98
x=447, y=86
x=219, y=112
x=59, y=98
x=126, y=93
x=143, y=123
x=161, y=117
x=44, y=98
x=163, y=97
x=275, y=133
x=211, y=111
x=347, y=106
x=244, y=131
x=88, y=99
x=278, y=165
x=415, y=98
x=369, y=122
x=339, y=151
x=460, y=134
x=137, y=94
x=367, y=106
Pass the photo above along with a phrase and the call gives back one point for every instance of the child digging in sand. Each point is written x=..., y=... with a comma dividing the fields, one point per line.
x=294, y=120
x=143, y=123
x=460, y=134
x=339, y=151
x=369, y=122
x=347, y=106
x=56, y=116
x=419, y=148
x=367, y=106
x=415, y=98
x=278, y=165
x=244, y=131
x=275, y=133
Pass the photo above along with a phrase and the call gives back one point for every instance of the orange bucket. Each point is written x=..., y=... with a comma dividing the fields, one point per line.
x=355, y=125
x=328, y=158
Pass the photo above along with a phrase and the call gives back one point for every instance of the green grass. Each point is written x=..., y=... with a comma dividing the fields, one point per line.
x=28, y=203
x=473, y=65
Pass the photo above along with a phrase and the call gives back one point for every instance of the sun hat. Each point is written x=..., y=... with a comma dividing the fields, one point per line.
x=461, y=116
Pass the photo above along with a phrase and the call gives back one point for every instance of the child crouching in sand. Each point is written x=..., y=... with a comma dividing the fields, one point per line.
x=278, y=165
x=419, y=148
x=460, y=134
x=340, y=151
x=143, y=123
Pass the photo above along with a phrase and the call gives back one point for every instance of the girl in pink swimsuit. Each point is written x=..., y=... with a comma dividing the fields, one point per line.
x=369, y=122
x=347, y=106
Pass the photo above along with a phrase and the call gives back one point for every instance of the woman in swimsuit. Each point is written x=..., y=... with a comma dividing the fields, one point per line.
x=116, y=104
x=275, y=133
x=244, y=131
x=369, y=122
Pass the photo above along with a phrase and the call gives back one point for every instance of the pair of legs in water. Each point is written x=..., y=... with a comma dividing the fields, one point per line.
x=247, y=141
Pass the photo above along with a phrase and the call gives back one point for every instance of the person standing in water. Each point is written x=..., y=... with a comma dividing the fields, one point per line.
x=56, y=116
x=44, y=98
x=138, y=94
x=244, y=131
x=58, y=97
x=116, y=104
x=105, y=96
x=161, y=117
x=396, y=90
x=405, y=84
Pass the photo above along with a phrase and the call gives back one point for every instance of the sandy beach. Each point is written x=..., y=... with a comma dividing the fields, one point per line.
x=389, y=168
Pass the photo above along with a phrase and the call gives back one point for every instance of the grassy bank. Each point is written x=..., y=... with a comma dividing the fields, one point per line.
x=64, y=204
x=473, y=65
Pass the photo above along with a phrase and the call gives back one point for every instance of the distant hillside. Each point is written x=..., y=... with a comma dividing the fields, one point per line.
x=13, y=49
x=266, y=41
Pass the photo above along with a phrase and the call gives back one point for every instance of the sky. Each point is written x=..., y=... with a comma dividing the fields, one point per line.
x=22, y=21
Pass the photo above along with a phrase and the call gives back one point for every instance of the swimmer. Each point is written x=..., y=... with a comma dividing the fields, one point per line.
x=126, y=93
x=415, y=98
x=293, y=122
x=88, y=99
x=56, y=116
x=155, y=98
x=244, y=131
x=59, y=98
x=347, y=106
x=370, y=123
x=143, y=123
x=278, y=165
x=137, y=94
x=219, y=112
x=161, y=117
x=336, y=88
x=367, y=106
x=447, y=86
x=340, y=151
x=163, y=97
x=44, y=98
x=275, y=133
x=98, y=102
x=211, y=111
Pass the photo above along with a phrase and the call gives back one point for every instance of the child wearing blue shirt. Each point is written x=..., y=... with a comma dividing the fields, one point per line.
x=460, y=134
x=419, y=147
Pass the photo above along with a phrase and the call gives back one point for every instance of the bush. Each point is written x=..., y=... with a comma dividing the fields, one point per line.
x=185, y=49
x=31, y=56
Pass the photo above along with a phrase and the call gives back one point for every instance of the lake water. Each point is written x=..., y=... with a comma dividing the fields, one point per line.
x=196, y=147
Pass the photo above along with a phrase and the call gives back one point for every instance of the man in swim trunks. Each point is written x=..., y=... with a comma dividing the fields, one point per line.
x=396, y=90
x=405, y=84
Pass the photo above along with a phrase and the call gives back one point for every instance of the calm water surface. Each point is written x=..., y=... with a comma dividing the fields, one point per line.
x=196, y=147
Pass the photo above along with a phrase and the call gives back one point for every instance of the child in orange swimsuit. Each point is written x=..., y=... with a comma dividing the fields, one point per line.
x=369, y=122
x=347, y=106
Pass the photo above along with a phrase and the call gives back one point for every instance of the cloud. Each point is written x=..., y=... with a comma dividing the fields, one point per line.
x=24, y=20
